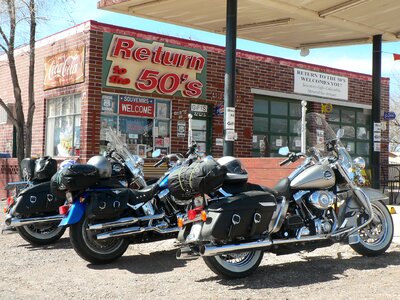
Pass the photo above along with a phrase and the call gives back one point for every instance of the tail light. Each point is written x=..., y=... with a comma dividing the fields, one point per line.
x=10, y=201
x=63, y=210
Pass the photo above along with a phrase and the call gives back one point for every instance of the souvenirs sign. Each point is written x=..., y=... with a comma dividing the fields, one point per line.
x=149, y=66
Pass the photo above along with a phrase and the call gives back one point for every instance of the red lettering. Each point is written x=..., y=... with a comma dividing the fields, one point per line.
x=141, y=54
x=116, y=79
x=147, y=80
x=157, y=56
x=118, y=70
x=193, y=89
x=182, y=59
x=196, y=63
x=170, y=59
x=123, y=46
x=173, y=83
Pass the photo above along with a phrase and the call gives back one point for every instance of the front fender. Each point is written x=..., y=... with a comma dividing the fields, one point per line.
x=75, y=214
x=374, y=195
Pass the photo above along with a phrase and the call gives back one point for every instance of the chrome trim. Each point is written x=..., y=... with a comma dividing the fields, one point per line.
x=279, y=218
x=212, y=250
x=125, y=221
x=16, y=222
x=185, y=253
x=160, y=228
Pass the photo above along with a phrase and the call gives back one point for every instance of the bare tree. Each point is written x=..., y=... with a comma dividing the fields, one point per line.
x=18, y=11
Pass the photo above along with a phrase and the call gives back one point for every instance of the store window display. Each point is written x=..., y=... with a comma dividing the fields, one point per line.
x=143, y=123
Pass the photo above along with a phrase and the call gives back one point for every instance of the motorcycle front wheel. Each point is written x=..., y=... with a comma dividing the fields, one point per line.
x=377, y=236
x=234, y=265
x=41, y=234
x=95, y=251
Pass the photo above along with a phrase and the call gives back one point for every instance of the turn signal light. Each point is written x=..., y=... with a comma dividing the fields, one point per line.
x=5, y=209
x=180, y=222
x=203, y=215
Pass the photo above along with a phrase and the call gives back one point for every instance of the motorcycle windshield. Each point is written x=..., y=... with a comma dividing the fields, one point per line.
x=115, y=143
x=319, y=132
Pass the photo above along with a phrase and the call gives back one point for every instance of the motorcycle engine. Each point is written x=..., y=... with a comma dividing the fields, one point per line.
x=322, y=199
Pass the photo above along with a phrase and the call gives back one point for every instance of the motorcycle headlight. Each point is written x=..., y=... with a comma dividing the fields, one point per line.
x=359, y=163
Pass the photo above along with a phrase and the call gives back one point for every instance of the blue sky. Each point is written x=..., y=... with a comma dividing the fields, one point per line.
x=352, y=58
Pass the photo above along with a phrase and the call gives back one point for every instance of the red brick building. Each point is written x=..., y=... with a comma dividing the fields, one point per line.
x=143, y=84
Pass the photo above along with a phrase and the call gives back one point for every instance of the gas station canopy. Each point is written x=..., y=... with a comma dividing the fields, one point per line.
x=293, y=24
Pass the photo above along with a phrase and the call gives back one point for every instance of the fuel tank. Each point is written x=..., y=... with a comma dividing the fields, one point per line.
x=314, y=177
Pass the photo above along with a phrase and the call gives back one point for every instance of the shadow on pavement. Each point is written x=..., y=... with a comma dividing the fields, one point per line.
x=313, y=270
x=153, y=263
x=62, y=243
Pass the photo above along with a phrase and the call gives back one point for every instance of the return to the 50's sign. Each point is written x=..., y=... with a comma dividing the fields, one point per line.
x=320, y=84
x=153, y=67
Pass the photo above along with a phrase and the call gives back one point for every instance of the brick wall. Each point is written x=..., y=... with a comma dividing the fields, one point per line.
x=253, y=71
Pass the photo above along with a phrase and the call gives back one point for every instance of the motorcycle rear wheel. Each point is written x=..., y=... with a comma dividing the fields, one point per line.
x=377, y=236
x=234, y=265
x=92, y=250
x=41, y=234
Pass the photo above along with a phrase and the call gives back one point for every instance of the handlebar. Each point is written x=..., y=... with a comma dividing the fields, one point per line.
x=159, y=163
x=292, y=158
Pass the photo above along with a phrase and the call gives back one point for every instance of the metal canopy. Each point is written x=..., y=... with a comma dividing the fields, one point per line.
x=293, y=24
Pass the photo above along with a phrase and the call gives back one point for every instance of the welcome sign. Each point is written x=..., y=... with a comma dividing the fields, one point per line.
x=321, y=84
x=148, y=66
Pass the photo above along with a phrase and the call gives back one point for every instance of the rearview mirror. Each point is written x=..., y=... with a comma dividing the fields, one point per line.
x=156, y=153
x=284, y=151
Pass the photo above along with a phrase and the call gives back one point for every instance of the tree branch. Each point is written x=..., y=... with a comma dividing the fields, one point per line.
x=3, y=35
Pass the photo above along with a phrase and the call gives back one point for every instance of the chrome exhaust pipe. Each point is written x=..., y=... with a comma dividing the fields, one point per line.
x=125, y=221
x=185, y=253
x=161, y=228
x=16, y=222
x=211, y=250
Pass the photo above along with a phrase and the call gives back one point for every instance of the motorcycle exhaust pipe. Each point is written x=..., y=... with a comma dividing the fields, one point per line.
x=16, y=222
x=185, y=253
x=125, y=221
x=161, y=228
x=211, y=250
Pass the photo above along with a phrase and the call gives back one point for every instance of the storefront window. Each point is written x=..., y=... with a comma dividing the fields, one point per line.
x=275, y=125
x=63, y=128
x=356, y=130
x=143, y=123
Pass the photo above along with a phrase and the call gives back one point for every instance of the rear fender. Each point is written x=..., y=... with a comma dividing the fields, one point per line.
x=75, y=214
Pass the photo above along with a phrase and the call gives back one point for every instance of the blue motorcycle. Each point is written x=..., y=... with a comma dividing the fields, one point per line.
x=104, y=219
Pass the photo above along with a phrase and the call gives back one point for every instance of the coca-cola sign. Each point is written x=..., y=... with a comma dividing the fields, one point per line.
x=64, y=68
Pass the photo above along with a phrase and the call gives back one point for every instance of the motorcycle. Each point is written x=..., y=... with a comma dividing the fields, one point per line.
x=33, y=210
x=321, y=202
x=104, y=221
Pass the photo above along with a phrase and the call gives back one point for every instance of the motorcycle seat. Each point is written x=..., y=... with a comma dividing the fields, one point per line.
x=146, y=193
x=282, y=188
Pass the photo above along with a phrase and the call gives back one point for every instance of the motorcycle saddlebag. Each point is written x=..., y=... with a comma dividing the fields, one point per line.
x=204, y=176
x=37, y=199
x=79, y=177
x=28, y=168
x=245, y=215
x=45, y=167
x=108, y=204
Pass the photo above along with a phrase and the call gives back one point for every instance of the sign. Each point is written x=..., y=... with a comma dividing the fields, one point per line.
x=377, y=136
x=64, y=68
x=181, y=129
x=153, y=67
x=230, y=118
x=136, y=106
x=109, y=103
x=377, y=127
x=321, y=84
x=230, y=135
x=219, y=110
x=219, y=142
x=199, y=110
x=389, y=115
x=377, y=147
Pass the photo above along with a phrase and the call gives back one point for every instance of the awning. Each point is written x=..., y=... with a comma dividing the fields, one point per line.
x=293, y=24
